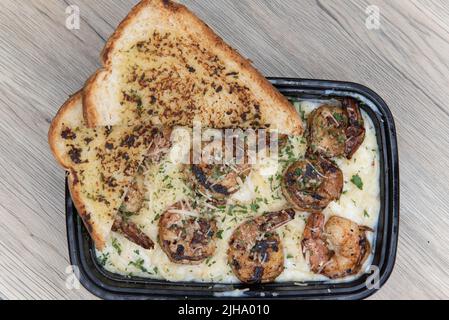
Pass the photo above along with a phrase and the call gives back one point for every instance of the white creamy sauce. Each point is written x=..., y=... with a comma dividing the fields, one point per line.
x=166, y=185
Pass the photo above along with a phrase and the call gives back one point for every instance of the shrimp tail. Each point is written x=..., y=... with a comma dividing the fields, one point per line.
x=274, y=220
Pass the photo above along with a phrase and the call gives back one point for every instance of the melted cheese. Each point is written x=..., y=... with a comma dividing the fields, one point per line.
x=259, y=193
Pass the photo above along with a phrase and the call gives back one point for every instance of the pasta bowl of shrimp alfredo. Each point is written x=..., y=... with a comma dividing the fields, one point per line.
x=264, y=208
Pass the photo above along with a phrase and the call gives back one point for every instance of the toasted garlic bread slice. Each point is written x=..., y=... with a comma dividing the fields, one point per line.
x=101, y=163
x=163, y=65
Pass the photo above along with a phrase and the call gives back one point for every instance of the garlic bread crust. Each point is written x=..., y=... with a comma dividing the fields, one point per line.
x=163, y=65
x=101, y=163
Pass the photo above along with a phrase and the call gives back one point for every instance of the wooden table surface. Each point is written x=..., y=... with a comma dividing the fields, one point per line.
x=406, y=61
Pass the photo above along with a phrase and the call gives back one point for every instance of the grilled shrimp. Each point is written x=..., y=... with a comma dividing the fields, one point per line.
x=134, y=197
x=132, y=203
x=311, y=184
x=216, y=177
x=132, y=232
x=160, y=144
x=255, y=251
x=185, y=237
x=336, y=249
x=220, y=173
x=336, y=131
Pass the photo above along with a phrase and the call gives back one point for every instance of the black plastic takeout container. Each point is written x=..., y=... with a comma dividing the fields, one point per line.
x=111, y=286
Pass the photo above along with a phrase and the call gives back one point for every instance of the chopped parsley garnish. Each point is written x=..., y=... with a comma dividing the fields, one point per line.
x=254, y=207
x=338, y=116
x=139, y=264
x=289, y=152
x=365, y=214
x=156, y=217
x=103, y=259
x=298, y=108
x=220, y=234
x=211, y=263
x=117, y=246
x=357, y=181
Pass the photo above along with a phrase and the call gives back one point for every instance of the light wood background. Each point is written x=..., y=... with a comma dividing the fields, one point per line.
x=406, y=61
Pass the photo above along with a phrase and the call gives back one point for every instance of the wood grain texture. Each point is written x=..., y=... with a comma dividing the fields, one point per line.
x=406, y=62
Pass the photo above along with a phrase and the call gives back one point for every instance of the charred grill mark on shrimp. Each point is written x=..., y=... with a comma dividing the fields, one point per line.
x=336, y=249
x=311, y=184
x=255, y=251
x=186, y=239
x=336, y=131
